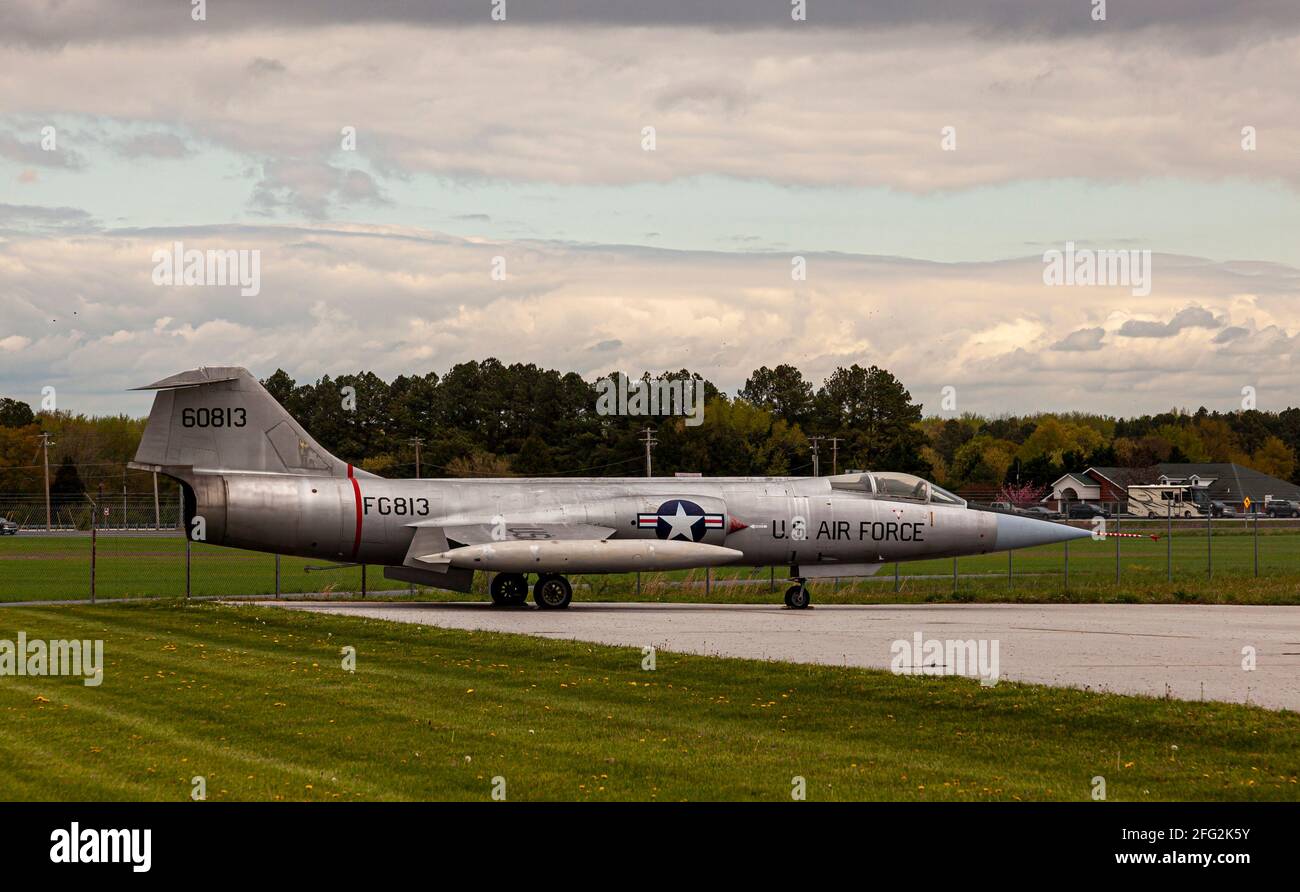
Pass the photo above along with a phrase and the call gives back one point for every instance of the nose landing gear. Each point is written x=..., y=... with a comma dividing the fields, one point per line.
x=797, y=596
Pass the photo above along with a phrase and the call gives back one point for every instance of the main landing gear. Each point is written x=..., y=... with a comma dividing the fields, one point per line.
x=509, y=589
x=550, y=593
x=797, y=596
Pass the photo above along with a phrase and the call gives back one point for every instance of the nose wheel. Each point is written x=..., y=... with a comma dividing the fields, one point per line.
x=509, y=589
x=552, y=593
x=797, y=596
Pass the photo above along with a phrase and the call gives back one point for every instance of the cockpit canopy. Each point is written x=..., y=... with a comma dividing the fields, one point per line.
x=894, y=485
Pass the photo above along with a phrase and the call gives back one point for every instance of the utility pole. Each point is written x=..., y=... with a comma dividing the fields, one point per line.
x=835, y=454
x=816, y=442
x=45, y=449
x=649, y=442
x=417, y=443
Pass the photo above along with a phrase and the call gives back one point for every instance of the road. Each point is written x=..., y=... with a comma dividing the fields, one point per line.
x=1184, y=651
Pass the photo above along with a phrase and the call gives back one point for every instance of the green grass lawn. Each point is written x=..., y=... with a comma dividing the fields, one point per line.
x=40, y=568
x=255, y=701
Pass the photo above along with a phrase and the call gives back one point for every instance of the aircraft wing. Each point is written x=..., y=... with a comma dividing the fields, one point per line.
x=826, y=570
x=485, y=533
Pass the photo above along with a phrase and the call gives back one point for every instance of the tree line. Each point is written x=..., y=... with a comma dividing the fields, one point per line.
x=492, y=419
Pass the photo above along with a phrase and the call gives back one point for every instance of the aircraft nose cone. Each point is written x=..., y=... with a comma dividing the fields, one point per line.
x=1015, y=531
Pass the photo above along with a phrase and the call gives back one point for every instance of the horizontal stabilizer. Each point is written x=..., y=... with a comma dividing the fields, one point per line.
x=195, y=377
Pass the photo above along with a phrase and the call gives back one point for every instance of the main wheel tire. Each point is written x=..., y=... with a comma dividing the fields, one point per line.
x=509, y=589
x=552, y=593
x=797, y=597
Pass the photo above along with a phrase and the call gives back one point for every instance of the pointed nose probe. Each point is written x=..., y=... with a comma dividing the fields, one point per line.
x=1015, y=531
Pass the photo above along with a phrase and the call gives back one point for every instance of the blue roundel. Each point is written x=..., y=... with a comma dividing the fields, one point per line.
x=680, y=519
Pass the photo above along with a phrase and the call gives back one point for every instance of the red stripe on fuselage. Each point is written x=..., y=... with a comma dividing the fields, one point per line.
x=356, y=493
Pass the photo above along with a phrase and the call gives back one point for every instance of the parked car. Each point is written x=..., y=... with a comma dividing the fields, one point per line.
x=1086, y=511
x=8, y=527
x=1041, y=512
x=1222, y=509
x=1281, y=508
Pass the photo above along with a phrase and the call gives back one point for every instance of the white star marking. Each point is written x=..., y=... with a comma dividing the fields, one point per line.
x=680, y=523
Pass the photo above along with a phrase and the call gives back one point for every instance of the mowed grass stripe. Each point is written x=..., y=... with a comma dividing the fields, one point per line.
x=138, y=718
x=435, y=713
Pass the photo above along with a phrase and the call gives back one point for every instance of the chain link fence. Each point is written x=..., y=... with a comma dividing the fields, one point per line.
x=127, y=555
x=109, y=513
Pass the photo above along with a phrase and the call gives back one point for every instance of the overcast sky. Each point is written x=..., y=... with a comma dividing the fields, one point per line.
x=524, y=140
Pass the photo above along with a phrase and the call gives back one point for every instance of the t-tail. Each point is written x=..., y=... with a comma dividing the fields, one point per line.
x=217, y=429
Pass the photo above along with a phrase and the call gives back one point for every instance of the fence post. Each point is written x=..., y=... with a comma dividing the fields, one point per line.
x=1169, y=542
x=1209, y=545
x=157, y=512
x=1256, y=543
x=277, y=576
x=94, y=529
x=1117, y=538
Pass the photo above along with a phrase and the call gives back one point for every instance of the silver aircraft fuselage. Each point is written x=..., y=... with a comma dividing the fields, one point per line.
x=795, y=521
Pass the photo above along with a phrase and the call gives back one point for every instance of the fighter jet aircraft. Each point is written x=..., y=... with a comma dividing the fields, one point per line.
x=253, y=478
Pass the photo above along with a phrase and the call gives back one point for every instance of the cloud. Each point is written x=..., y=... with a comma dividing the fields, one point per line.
x=1084, y=339
x=28, y=219
x=549, y=104
x=336, y=298
x=1231, y=333
x=1191, y=317
x=152, y=145
x=30, y=152
x=260, y=66
x=39, y=22
x=312, y=188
